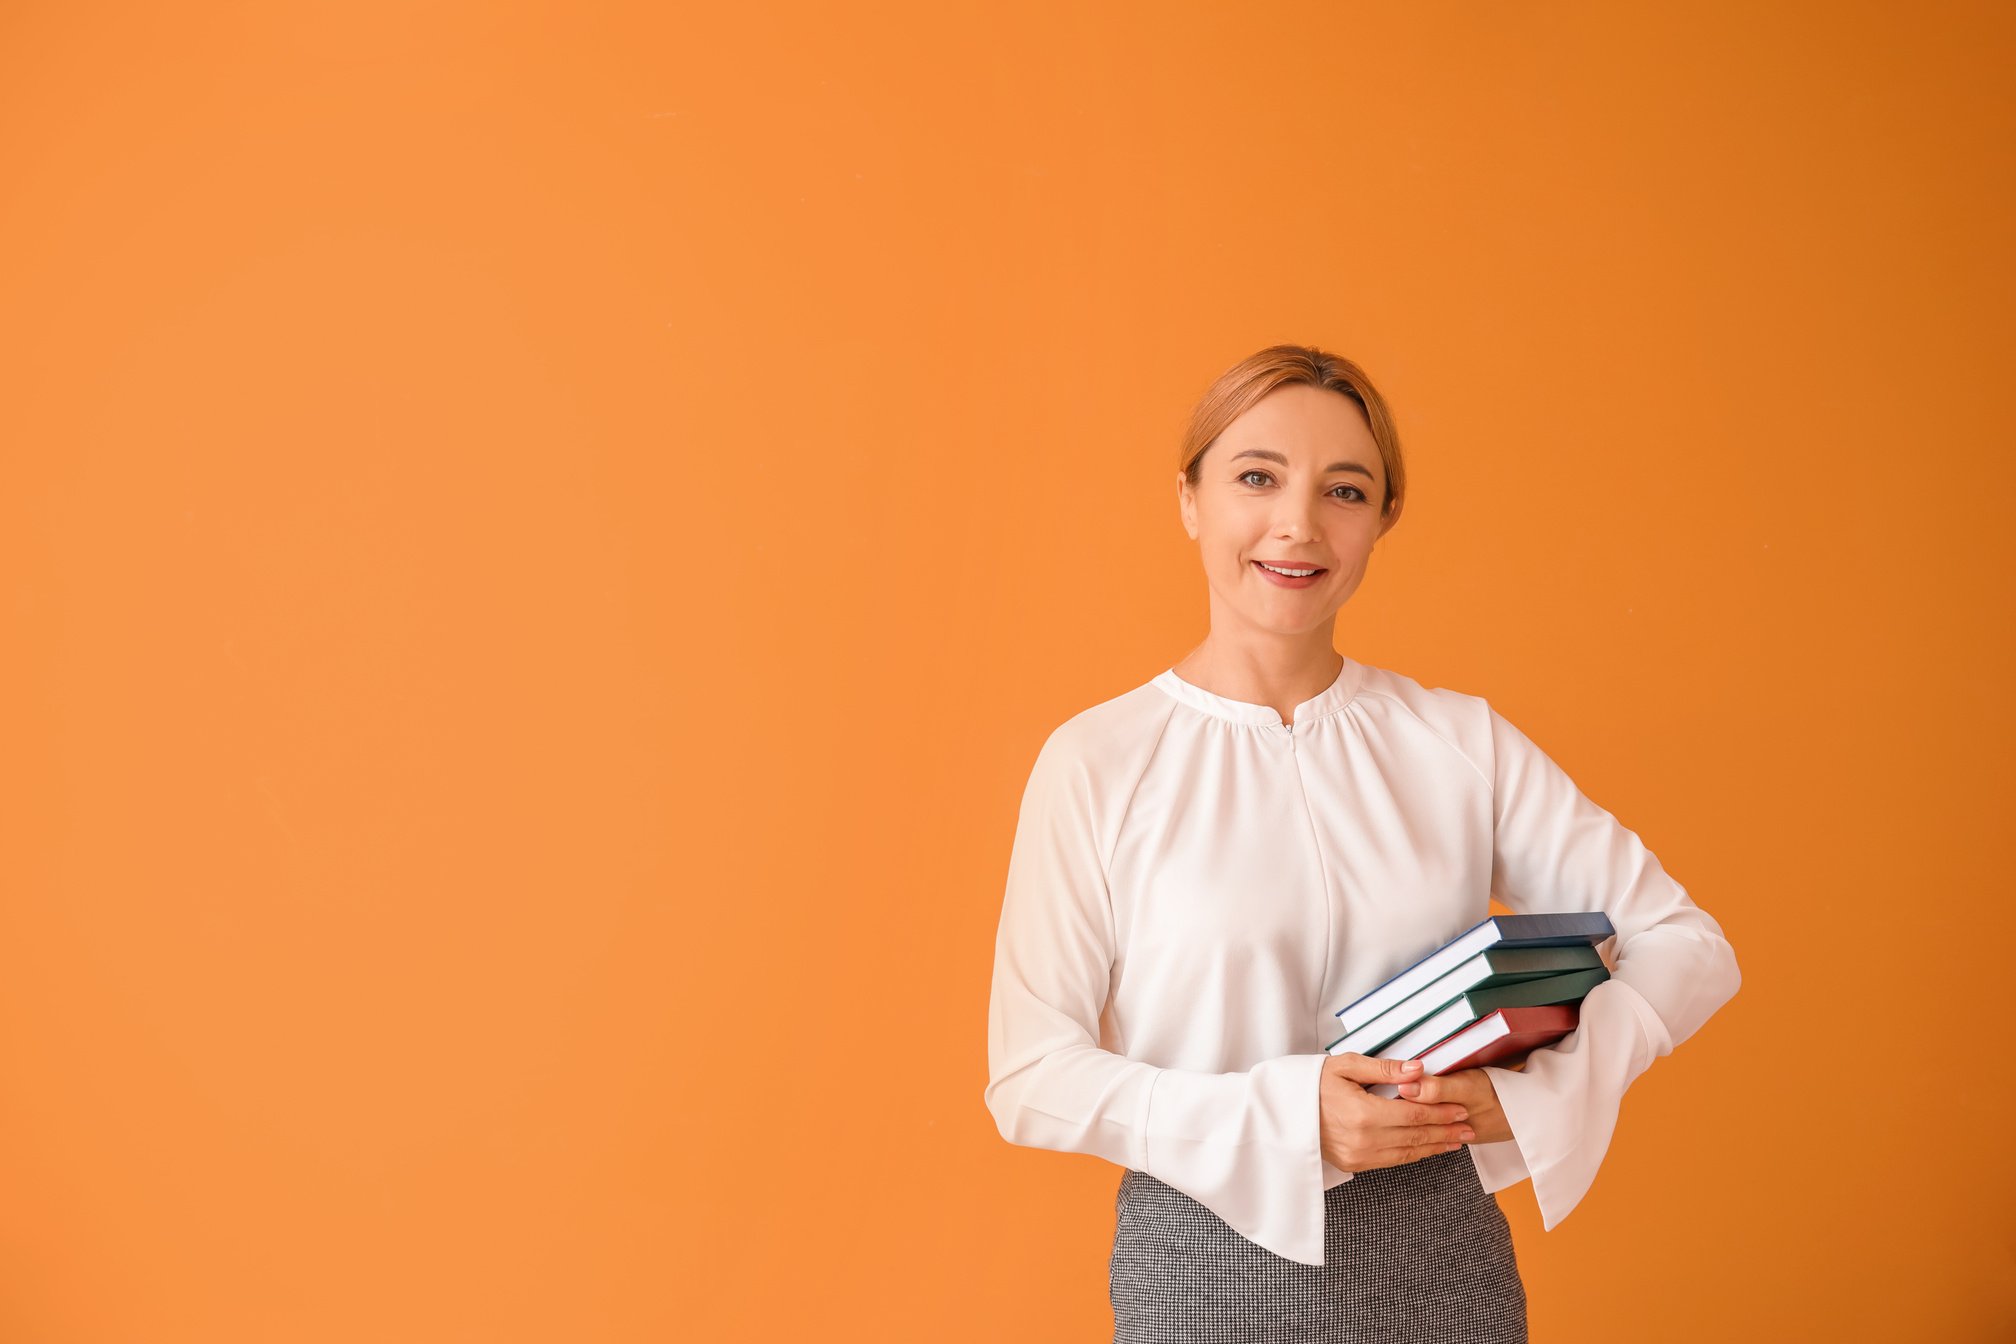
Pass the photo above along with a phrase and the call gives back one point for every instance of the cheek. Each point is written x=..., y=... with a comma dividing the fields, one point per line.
x=1357, y=549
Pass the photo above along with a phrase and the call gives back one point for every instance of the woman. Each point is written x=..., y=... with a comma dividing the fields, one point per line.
x=1208, y=867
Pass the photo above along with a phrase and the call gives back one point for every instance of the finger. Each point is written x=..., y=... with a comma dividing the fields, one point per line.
x=1415, y=1136
x=1446, y=1086
x=1429, y=1087
x=1397, y=1114
x=1390, y=1070
x=1364, y=1069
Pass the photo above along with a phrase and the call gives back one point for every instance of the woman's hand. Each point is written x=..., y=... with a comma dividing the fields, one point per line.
x=1361, y=1131
x=1471, y=1089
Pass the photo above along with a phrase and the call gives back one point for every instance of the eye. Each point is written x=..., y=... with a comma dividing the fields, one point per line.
x=1356, y=495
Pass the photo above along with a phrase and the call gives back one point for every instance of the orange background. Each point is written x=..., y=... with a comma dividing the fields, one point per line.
x=540, y=542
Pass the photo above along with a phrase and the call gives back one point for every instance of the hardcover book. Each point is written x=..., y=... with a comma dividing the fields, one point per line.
x=1503, y=1037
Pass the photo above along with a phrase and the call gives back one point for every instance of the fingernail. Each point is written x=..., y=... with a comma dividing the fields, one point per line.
x=1462, y=1115
x=1469, y=1134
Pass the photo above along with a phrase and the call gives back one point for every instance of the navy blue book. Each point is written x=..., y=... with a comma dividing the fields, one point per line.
x=1560, y=929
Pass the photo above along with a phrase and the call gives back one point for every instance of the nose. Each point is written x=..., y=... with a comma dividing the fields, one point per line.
x=1295, y=518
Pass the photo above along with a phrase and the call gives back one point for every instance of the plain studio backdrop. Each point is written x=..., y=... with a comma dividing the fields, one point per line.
x=540, y=542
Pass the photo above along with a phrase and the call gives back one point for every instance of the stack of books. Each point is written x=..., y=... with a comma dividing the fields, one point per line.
x=1492, y=994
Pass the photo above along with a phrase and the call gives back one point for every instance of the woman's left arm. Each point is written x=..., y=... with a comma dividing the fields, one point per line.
x=1554, y=850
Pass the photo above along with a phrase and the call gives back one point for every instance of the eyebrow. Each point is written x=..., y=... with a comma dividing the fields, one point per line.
x=1273, y=456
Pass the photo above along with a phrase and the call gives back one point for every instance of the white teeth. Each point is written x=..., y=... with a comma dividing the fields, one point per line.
x=1291, y=573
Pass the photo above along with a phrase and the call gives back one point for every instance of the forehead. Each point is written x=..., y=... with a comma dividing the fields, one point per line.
x=1305, y=426
x=1302, y=417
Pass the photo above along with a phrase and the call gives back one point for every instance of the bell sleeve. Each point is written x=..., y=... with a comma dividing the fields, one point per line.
x=1245, y=1145
x=1554, y=850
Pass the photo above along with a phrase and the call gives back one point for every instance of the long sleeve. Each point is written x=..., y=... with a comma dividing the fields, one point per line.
x=1246, y=1145
x=1554, y=849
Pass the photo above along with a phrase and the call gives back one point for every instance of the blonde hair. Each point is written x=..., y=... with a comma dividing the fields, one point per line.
x=1253, y=377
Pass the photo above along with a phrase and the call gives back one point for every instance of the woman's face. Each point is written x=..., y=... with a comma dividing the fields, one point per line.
x=1296, y=481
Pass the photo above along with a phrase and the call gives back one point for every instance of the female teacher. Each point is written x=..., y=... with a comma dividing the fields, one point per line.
x=1207, y=867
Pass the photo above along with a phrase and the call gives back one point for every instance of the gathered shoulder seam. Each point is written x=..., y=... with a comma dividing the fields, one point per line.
x=1120, y=822
x=1431, y=729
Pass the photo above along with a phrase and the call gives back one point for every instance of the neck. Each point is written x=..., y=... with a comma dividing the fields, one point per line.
x=1278, y=671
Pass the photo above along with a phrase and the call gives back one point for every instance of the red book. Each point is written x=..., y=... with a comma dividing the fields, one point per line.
x=1501, y=1035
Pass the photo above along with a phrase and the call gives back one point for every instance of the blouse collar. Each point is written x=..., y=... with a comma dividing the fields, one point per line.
x=1321, y=705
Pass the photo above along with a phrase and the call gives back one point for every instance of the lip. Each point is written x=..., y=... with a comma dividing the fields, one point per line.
x=1283, y=581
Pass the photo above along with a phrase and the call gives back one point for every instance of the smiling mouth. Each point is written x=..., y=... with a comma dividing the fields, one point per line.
x=1293, y=572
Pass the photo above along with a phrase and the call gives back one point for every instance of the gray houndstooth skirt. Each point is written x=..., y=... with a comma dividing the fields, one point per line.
x=1416, y=1253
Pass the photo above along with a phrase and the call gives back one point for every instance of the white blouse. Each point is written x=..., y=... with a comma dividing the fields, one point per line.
x=1195, y=888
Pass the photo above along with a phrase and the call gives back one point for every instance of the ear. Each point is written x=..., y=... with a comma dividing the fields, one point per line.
x=1186, y=505
x=1392, y=518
